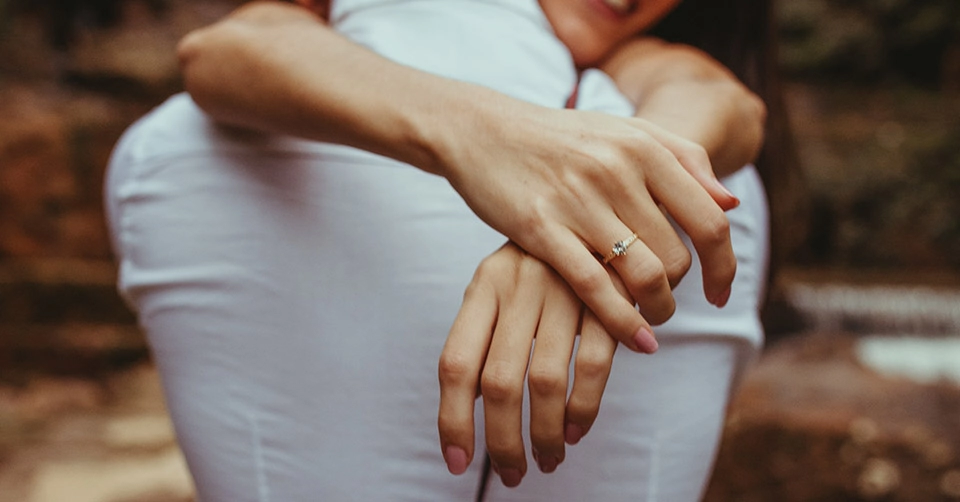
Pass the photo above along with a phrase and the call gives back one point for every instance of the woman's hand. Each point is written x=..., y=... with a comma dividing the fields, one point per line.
x=566, y=185
x=513, y=299
x=563, y=184
x=685, y=91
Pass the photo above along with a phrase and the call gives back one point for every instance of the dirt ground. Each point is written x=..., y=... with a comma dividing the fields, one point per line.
x=812, y=423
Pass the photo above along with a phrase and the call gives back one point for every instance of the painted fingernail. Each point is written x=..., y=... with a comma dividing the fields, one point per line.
x=456, y=458
x=572, y=433
x=548, y=465
x=645, y=341
x=728, y=193
x=722, y=299
x=510, y=477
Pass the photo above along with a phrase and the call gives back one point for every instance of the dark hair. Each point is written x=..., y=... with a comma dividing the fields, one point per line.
x=742, y=35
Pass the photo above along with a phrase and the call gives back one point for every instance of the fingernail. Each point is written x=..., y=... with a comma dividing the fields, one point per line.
x=727, y=192
x=456, y=458
x=548, y=465
x=645, y=341
x=572, y=433
x=722, y=299
x=510, y=477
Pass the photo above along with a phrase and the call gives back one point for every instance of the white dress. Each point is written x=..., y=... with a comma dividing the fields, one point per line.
x=296, y=295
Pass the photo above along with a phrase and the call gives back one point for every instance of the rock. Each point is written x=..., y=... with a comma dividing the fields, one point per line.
x=35, y=177
x=84, y=440
x=879, y=478
x=53, y=155
x=813, y=423
x=116, y=479
x=138, y=54
x=140, y=432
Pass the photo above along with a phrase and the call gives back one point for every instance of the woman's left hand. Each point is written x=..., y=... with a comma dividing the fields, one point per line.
x=512, y=299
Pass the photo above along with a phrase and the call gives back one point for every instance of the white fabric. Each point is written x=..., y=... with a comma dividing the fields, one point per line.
x=297, y=295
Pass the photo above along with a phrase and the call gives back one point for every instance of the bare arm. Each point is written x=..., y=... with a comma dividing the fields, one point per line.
x=688, y=93
x=679, y=89
x=249, y=70
x=560, y=183
x=554, y=181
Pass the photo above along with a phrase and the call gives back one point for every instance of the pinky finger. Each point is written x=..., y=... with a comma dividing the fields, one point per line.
x=459, y=372
x=592, y=365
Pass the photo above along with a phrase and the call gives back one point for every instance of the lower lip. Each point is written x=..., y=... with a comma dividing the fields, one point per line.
x=607, y=12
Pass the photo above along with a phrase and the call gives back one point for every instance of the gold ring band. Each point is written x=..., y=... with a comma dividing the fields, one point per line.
x=620, y=248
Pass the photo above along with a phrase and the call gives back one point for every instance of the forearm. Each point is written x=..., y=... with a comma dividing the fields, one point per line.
x=279, y=68
x=686, y=92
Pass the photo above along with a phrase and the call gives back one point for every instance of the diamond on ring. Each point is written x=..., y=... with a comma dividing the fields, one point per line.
x=619, y=248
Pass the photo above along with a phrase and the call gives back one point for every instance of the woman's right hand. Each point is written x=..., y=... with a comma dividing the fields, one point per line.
x=566, y=185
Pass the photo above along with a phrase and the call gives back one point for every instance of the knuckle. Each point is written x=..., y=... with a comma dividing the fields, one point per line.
x=454, y=370
x=499, y=386
x=502, y=453
x=531, y=268
x=605, y=162
x=450, y=427
x=492, y=266
x=532, y=220
x=545, y=440
x=588, y=281
x=582, y=411
x=677, y=263
x=696, y=155
x=715, y=229
x=547, y=382
x=641, y=141
x=592, y=366
x=648, y=277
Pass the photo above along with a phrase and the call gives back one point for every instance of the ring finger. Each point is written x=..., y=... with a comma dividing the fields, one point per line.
x=639, y=268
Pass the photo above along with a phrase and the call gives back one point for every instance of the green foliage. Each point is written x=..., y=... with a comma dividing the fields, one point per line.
x=869, y=38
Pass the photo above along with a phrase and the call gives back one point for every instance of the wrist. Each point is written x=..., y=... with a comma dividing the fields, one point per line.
x=454, y=121
x=433, y=125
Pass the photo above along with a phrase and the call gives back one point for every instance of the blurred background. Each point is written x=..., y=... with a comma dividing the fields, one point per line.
x=857, y=396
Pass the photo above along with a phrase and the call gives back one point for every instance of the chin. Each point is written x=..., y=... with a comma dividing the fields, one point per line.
x=586, y=48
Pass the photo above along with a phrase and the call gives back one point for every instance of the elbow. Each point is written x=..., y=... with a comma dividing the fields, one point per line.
x=191, y=55
x=756, y=107
x=755, y=113
x=691, y=63
x=748, y=116
x=201, y=55
x=188, y=51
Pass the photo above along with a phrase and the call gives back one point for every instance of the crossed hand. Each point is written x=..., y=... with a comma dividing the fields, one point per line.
x=586, y=199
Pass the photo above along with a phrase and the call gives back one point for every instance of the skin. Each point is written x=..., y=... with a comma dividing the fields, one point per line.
x=562, y=184
x=587, y=180
x=515, y=297
x=591, y=33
